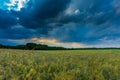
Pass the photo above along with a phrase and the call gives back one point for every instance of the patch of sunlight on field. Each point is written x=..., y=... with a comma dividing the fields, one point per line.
x=60, y=65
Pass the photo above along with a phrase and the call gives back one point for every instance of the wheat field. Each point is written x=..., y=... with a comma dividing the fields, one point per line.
x=60, y=65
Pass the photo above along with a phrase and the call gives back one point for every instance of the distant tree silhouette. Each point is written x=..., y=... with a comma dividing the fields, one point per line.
x=30, y=46
x=1, y=45
x=34, y=46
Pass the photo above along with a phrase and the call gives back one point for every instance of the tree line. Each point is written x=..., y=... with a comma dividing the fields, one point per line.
x=32, y=46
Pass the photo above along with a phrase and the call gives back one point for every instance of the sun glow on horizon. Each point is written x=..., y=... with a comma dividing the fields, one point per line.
x=55, y=42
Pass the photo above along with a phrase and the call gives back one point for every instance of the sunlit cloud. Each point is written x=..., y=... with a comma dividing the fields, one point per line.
x=42, y=40
x=49, y=42
x=54, y=42
x=16, y=5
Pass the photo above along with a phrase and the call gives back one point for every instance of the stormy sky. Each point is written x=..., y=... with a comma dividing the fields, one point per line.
x=66, y=23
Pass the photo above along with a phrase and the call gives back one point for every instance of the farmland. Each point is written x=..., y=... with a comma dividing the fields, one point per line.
x=60, y=65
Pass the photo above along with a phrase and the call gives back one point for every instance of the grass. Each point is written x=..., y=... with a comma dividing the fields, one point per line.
x=60, y=65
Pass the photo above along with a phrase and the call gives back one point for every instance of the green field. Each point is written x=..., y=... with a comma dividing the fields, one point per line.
x=60, y=65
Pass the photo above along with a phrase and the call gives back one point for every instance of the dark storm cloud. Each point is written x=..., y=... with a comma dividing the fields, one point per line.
x=6, y=19
x=86, y=21
x=33, y=19
x=92, y=21
x=84, y=11
x=39, y=12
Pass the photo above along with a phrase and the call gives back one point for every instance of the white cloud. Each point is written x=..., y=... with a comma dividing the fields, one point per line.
x=77, y=11
x=16, y=5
